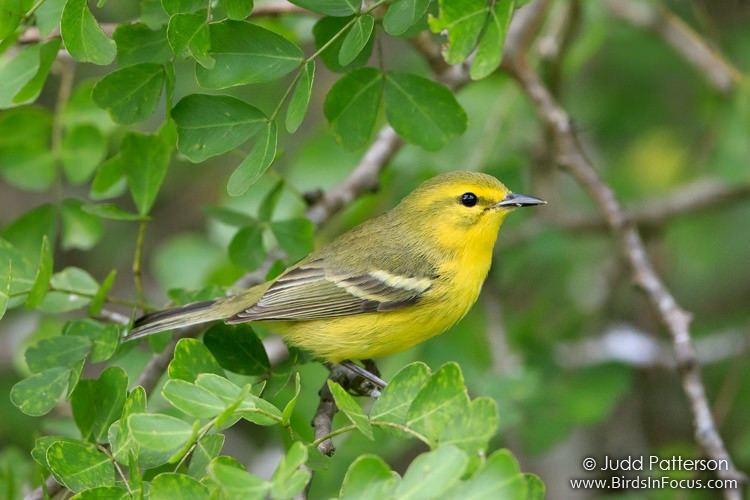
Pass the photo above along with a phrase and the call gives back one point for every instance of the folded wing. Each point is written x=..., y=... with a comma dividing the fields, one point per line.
x=313, y=291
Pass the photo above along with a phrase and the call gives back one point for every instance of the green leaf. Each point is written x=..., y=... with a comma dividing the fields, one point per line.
x=40, y=393
x=120, y=440
x=351, y=106
x=229, y=217
x=84, y=39
x=368, y=478
x=255, y=163
x=112, y=212
x=290, y=478
x=95, y=307
x=27, y=232
x=80, y=466
x=173, y=7
x=499, y=477
x=43, y=276
x=16, y=272
x=173, y=486
x=443, y=413
x=422, y=111
x=535, y=489
x=431, y=474
x=56, y=351
x=246, y=249
x=192, y=358
x=236, y=483
x=146, y=159
x=349, y=407
x=11, y=13
x=252, y=408
x=403, y=14
x=48, y=16
x=237, y=9
x=191, y=399
x=490, y=49
x=246, y=53
x=98, y=403
x=103, y=493
x=463, y=20
x=211, y=125
x=237, y=349
x=41, y=445
x=130, y=94
x=295, y=237
x=137, y=44
x=270, y=200
x=22, y=77
x=330, y=7
x=188, y=34
x=109, y=181
x=158, y=432
x=206, y=449
x=300, y=100
x=81, y=109
x=356, y=39
x=286, y=414
x=83, y=148
x=393, y=404
x=324, y=31
x=80, y=230
x=5, y=282
x=104, y=338
x=73, y=287
x=26, y=160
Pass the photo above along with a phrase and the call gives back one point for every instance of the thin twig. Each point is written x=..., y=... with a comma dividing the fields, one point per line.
x=714, y=68
x=32, y=35
x=571, y=157
x=698, y=196
x=628, y=345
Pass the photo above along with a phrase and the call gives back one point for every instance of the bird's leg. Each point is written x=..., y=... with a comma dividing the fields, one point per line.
x=353, y=378
x=370, y=373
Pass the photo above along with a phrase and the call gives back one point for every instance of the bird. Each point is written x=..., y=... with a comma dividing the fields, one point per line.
x=382, y=287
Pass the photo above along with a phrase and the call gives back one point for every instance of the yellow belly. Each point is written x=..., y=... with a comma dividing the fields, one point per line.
x=377, y=334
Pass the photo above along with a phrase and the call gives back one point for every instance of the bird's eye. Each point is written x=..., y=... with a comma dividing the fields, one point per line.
x=469, y=199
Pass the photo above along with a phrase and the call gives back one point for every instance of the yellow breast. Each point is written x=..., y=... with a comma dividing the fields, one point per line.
x=377, y=334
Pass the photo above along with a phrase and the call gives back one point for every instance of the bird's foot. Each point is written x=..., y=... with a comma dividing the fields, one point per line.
x=354, y=379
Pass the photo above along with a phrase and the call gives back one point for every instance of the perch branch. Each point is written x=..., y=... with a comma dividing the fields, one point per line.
x=571, y=157
x=716, y=69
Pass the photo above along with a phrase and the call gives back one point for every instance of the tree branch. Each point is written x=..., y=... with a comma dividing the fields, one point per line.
x=697, y=196
x=32, y=35
x=628, y=345
x=571, y=157
x=714, y=68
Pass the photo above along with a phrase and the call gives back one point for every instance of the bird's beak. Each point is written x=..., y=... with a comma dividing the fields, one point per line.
x=519, y=200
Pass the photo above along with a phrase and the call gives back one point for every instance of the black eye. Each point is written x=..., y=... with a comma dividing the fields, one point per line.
x=469, y=199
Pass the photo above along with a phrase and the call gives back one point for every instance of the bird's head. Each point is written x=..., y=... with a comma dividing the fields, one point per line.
x=461, y=208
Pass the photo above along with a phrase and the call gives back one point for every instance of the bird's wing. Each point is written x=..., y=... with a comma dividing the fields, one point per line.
x=313, y=291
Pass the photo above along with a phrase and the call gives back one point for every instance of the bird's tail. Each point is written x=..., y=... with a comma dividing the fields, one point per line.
x=178, y=317
x=195, y=313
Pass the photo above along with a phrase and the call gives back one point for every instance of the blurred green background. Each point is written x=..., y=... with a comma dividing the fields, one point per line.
x=571, y=351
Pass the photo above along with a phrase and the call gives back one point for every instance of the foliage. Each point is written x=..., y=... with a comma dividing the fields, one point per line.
x=154, y=152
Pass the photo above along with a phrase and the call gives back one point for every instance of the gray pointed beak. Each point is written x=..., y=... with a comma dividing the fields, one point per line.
x=519, y=200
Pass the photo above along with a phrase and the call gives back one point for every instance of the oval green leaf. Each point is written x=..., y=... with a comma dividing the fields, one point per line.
x=423, y=112
x=209, y=125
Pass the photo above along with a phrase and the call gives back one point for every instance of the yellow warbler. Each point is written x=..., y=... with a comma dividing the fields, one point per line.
x=382, y=287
